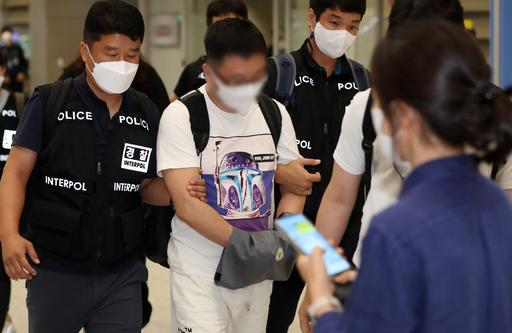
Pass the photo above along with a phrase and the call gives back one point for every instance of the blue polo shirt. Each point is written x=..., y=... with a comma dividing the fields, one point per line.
x=30, y=135
x=440, y=260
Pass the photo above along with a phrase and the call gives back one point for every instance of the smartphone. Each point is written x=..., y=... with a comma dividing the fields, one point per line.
x=304, y=237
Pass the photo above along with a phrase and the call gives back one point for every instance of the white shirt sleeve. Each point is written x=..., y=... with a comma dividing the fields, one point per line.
x=175, y=148
x=287, y=149
x=349, y=154
x=504, y=176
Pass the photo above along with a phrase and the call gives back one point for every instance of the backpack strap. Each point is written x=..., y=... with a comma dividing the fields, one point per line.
x=360, y=74
x=369, y=136
x=496, y=168
x=20, y=103
x=148, y=108
x=286, y=73
x=199, y=120
x=272, y=116
x=53, y=97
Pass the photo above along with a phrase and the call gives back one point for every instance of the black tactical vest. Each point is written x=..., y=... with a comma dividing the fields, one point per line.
x=83, y=209
x=8, y=124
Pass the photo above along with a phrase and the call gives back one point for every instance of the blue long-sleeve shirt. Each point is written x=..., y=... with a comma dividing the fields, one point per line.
x=440, y=260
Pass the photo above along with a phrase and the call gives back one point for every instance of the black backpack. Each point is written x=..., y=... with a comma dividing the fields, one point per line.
x=286, y=66
x=158, y=234
x=200, y=123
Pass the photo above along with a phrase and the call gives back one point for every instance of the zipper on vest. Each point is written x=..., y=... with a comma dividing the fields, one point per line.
x=98, y=168
x=326, y=129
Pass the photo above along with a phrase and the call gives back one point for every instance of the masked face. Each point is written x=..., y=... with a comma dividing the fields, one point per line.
x=113, y=77
x=333, y=43
x=237, y=81
x=389, y=144
x=240, y=98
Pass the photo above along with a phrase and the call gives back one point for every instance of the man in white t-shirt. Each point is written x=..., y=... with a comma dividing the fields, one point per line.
x=387, y=175
x=238, y=164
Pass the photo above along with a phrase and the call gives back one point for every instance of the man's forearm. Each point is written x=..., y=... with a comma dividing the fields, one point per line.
x=12, y=201
x=197, y=214
x=290, y=202
x=205, y=220
x=155, y=193
x=332, y=218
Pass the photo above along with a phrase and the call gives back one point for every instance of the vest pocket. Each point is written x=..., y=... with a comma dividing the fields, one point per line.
x=133, y=225
x=54, y=228
x=123, y=235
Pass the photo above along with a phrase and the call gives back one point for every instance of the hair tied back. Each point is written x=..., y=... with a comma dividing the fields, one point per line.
x=483, y=92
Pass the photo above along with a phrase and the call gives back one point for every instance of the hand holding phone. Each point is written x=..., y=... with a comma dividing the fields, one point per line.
x=304, y=237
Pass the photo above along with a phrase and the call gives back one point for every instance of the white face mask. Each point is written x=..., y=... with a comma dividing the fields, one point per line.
x=241, y=98
x=333, y=43
x=113, y=77
x=389, y=145
x=2, y=79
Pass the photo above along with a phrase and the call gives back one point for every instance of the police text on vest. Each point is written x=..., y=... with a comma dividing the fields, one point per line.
x=304, y=144
x=75, y=115
x=65, y=183
x=134, y=121
x=136, y=158
x=126, y=187
x=9, y=113
x=347, y=86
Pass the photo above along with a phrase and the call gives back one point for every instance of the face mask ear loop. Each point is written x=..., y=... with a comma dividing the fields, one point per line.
x=90, y=55
x=311, y=36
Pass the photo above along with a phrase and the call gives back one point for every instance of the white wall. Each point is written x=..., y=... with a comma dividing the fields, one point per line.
x=168, y=61
x=56, y=30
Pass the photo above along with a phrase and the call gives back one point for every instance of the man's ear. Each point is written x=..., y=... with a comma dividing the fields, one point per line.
x=83, y=51
x=206, y=71
x=311, y=18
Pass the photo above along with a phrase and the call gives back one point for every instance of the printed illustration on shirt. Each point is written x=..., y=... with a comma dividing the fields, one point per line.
x=239, y=173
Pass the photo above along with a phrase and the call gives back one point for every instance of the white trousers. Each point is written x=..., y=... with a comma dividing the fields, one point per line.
x=199, y=306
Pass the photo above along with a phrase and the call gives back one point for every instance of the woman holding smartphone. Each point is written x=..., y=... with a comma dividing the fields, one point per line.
x=440, y=260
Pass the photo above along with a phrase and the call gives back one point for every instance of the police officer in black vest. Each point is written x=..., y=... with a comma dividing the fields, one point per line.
x=11, y=106
x=91, y=144
x=323, y=88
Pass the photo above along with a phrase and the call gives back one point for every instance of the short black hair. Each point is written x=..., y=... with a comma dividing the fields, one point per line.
x=403, y=11
x=110, y=17
x=346, y=6
x=7, y=28
x=233, y=36
x=224, y=7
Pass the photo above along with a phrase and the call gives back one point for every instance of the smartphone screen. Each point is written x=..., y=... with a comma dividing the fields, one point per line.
x=305, y=238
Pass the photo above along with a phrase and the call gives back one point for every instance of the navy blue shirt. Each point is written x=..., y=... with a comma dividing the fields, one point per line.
x=440, y=260
x=30, y=135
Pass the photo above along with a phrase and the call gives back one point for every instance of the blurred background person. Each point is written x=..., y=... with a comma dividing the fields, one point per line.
x=11, y=106
x=15, y=63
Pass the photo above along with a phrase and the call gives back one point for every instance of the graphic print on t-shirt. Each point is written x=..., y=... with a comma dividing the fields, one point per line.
x=239, y=173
